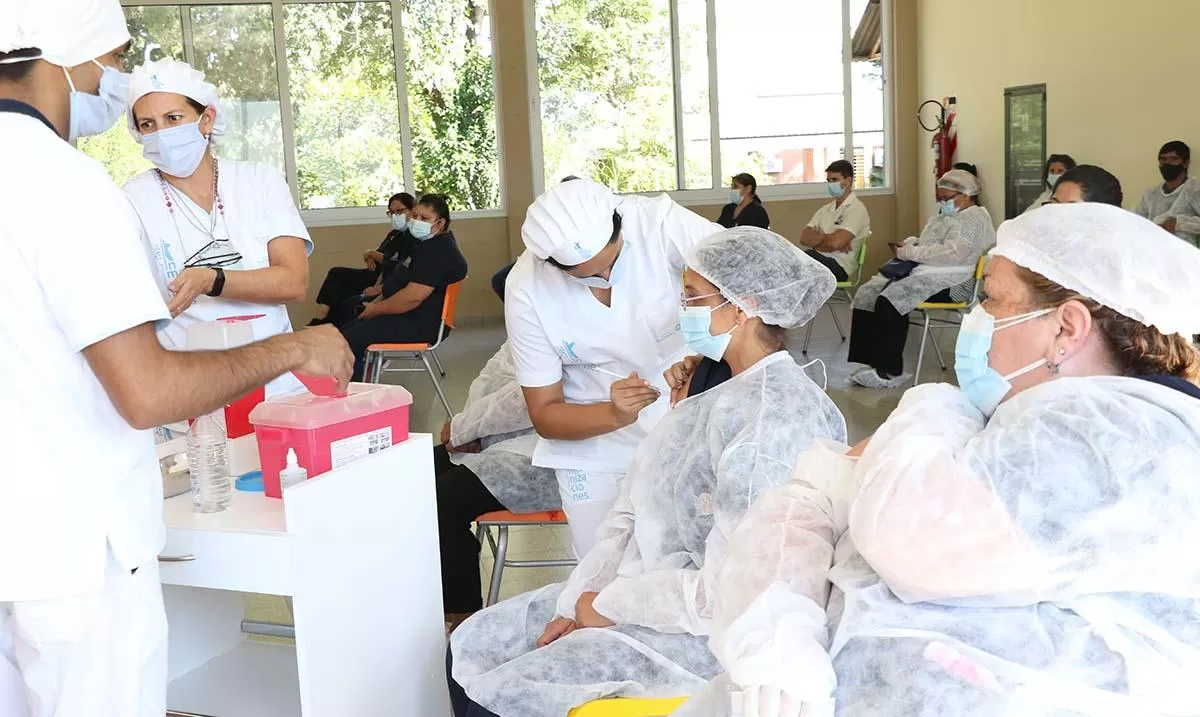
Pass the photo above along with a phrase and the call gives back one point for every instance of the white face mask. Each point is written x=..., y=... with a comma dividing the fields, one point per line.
x=735, y=197
x=399, y=222
x=96, y=114
x=176, y=151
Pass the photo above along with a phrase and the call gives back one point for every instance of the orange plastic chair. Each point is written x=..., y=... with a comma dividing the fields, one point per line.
x=502, y=520
x=628, y=707
x=380, y=356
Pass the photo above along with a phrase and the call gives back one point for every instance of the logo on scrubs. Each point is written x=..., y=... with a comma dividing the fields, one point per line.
x=583, y=253
x=169, y=266
x=566, y=352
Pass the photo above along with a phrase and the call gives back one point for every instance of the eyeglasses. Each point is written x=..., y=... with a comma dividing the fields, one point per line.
x=684, y=299
x=216, y=253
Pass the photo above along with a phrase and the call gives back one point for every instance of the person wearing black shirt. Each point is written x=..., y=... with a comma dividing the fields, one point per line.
x=409, y=310
x=343, y=283
x=745, y=209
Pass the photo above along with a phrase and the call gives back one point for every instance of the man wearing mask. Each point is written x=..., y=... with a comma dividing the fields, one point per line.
x=82, y=625
x=1175, y=204
x=838, y=229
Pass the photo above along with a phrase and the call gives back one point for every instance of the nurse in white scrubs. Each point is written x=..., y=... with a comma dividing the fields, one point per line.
x=226, y=236
x=596, y=297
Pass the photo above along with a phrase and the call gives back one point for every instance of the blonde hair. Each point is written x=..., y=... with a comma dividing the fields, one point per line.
x=1138, y=350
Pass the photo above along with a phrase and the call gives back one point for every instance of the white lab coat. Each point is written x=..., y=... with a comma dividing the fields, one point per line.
x=1042, y=198
x=1156, y=205
x=258, y=209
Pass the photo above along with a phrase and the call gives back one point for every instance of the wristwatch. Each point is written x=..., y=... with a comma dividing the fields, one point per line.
x=219, y=282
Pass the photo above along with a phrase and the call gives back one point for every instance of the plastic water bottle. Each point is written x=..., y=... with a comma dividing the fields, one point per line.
x=208, y=462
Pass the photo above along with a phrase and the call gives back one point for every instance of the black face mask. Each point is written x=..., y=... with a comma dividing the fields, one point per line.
x=1170, y=172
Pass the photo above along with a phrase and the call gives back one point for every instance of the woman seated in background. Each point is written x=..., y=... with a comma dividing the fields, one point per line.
x=225, y=237
x=1088, y=183
x=944, y=259
x=745, y=209
x=633, y=618
x=343, y=283
x=1024, y=545
x=1056, y=166
x=409, y=307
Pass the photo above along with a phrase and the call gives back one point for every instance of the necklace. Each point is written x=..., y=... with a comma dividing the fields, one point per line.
x=171, y=201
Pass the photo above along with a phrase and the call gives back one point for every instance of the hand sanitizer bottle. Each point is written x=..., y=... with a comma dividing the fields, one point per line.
x=293, y=474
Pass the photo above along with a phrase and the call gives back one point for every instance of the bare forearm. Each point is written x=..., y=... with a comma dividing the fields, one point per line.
x=396, y=304
x=576, y=421
x=272, y=285
x=811, y=237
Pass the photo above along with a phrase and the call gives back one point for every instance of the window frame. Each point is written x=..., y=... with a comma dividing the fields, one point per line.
x=719, y=193
x=346, y=216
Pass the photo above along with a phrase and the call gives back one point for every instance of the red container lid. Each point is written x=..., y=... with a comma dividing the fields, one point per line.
x=306, y=411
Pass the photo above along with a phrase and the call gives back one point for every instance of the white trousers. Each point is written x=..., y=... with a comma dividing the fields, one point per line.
x=587, y=497
x=102, y=654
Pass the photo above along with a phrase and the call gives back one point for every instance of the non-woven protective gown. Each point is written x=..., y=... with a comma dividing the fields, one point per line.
x=657, y=555
x=947, y=251
x=496, y=415
x=1042, y=564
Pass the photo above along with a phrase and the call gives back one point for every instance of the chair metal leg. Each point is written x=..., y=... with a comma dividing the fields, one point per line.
x=836, y=322
x=437, y=384
x=371, y=369
x=921, y=352
x=498, y=566
x=479, y=532
x=438, y=363
x=938, y=350
x=808, y=335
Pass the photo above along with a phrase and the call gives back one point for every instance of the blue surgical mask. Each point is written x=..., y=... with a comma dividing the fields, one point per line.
x=599, y=282
x=735, y=197
x=96, y=114
x=834, y=188
x=399, y=222
x=696, y=324
x=176, y=151
x=983, y=385
x=1052, y=179
x=947, y=208
x=420, y=229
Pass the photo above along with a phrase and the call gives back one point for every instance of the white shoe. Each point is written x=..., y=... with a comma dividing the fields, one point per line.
x=871, y=379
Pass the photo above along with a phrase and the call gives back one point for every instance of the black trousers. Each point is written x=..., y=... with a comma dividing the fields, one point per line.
x=877, y=338
x=499, y=278
x=461, y=497
x=829, y=263
x=388, y=329
x=342, y=282
x=461, y=705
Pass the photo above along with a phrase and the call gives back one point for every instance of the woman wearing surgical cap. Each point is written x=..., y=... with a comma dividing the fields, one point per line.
x=226, y=237
x=944, y=259
x=591, y=314
x=1022, y=545
x=634, y=617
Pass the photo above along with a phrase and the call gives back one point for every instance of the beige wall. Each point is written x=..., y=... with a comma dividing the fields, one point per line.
x=492, y=242
x=1117, y=74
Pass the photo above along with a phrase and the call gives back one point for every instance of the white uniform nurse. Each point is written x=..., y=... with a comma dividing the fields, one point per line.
x=595, y=297
x=226, y=236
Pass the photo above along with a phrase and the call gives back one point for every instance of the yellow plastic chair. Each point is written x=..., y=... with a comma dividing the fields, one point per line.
x=956, y=308
x=628, y=707
x=842, y=294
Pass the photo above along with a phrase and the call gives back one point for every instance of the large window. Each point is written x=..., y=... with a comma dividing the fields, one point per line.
x=352, y=101
x=653, y=95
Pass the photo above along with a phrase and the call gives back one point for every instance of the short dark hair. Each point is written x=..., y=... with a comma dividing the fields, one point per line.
x=18, y=71
x=1064, y=159
x=747, y=180
x=842, y=167
x=967, y=167
x=437, y=202
x=1179, y=147
x=1096, y=184
x=568, y=178
x=616, y=233
x=404, y=198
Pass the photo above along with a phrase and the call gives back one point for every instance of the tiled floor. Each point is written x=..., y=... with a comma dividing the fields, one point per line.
x=465, y=352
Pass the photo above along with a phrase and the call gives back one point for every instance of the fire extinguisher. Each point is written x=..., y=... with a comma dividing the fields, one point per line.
x=944, y=143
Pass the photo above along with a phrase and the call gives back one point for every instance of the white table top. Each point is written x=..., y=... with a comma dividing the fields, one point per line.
x=247, y=513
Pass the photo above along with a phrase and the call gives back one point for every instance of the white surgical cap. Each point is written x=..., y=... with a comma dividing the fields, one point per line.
x=1112, y=256
x=764, y=274
x=571, y=222
x=68, y=32
x=169, y=75
x=961, y=181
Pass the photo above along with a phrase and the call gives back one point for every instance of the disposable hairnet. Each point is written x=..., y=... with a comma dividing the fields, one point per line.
x=571, y=222
x=1105, y=253
x=764, y=274
x=175, y=77
x=657, y=554
x=961, y=181
x=68, y=32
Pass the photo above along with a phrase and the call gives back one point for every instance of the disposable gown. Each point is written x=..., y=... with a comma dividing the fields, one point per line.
x=1155, y=205
x=657, y=555
x=496, y=415
x=947, y=250
x=1042, y=564
x=1185, y=209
